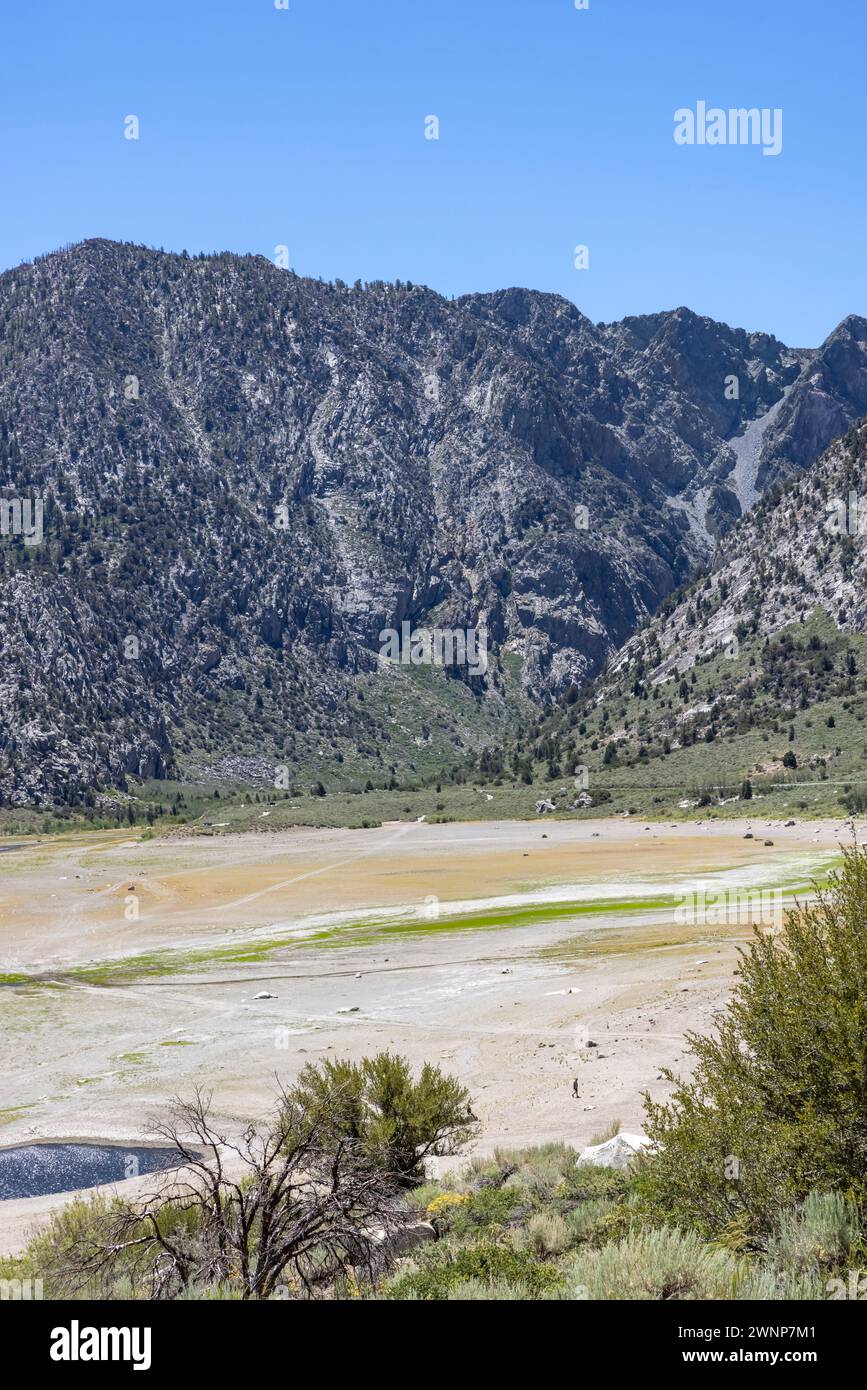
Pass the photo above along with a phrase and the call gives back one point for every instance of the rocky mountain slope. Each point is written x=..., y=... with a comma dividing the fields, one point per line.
x=246, y=476
x=749, y=683
x=803, y=547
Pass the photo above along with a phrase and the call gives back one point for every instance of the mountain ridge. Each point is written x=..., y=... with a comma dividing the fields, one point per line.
x=431, y=459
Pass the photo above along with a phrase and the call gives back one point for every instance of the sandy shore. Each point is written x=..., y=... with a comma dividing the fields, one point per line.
x=508, y=1008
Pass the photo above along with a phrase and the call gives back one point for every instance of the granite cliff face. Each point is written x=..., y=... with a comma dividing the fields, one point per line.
x=802, y=548
x=246, y=476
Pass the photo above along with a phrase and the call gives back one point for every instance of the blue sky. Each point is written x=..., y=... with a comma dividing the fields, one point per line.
x=305, y=127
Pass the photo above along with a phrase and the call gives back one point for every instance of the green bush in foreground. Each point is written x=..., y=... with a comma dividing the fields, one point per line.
x=823, y=1234
x=532, y=1225
x=670, y=1264
x=437, y=1274
x=564, y=1240
x=777, y=1105
x=398, y=1120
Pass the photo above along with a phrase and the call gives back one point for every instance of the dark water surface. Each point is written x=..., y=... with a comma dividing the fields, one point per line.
x=32, y=1170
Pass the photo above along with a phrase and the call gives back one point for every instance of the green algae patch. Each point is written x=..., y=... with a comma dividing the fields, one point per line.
x=414, y=924
x=13, y=1113
x=493, y=919
x=176, y=961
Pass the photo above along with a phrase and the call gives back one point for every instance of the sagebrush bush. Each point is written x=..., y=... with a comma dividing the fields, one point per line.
x=546, y=1234
x=590, y=1219
x=536, y=1172
x=767, y=1283
x=655, y=1264
x=419, y=1198
x=435, y=1274
x=818, y=1236
x=498, y=1291
x=586, y=1181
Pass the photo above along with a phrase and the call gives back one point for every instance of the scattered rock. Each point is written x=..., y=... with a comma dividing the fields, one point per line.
x=405, y=1238
x=411, y=1237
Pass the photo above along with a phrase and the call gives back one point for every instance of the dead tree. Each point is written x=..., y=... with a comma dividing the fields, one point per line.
x=286, y=1209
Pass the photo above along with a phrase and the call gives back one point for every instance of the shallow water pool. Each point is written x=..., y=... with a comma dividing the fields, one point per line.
x=33, y=1170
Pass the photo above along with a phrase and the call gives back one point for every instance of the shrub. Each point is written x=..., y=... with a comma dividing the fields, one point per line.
x=776, y=1285
x=546, y=1234
x=778, y=1102
x=595, y=1221
x=437, y=1274
x=397, y=1120
x=655, y=1264
x=488, y=1172
x=205, y=1293
x=492, y=1206
x=444, y=1201
x=820, y=1235
x=586, y=1180
x=497, y=1291
x=54, y=1253
x=539, y=1172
